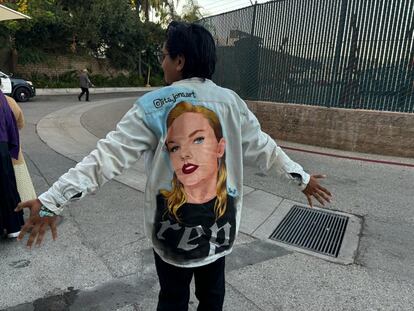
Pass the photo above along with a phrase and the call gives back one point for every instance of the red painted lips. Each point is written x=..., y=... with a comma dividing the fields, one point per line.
x=189, y=168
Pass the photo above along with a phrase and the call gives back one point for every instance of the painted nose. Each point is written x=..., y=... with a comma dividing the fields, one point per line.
x=185, y=153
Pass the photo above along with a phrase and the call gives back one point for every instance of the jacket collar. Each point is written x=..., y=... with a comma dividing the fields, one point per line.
x=193, y=80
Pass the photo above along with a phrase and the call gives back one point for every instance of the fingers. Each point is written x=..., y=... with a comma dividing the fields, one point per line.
x=41, y=235
x=324, y=195
x=320, y=195
x=325, y=190
x=20, y=206
x=33, y=235
x=32, y=204
x=39, y=227
x=24, y=230
x=21, y=234
x=309, y=200
x=52, y=225
x=319, y=192
x=318, y=198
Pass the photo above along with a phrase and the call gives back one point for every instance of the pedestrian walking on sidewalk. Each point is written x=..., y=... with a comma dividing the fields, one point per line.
x=10, y=221
x=85, y=83
x=195, y=137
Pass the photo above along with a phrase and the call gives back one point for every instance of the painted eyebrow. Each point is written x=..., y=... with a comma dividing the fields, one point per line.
x=195, y=132
x=191, y=135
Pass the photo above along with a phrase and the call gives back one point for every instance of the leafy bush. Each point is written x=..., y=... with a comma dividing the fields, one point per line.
x=32, y=56
x=157, y=80
x=70, y=79
x=66, y=80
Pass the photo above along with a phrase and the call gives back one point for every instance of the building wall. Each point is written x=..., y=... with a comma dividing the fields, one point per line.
x=385, y=133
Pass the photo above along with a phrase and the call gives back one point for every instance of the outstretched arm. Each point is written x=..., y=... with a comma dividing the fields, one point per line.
x=115, y=153
x=261, y=150
x=118, y=151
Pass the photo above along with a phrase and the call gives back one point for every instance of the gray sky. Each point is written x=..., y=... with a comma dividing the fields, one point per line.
x=213, y=7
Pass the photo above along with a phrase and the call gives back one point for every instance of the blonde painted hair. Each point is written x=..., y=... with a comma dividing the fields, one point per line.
x=177, y=196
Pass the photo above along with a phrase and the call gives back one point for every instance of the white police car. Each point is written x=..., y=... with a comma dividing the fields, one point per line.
x=21, y=90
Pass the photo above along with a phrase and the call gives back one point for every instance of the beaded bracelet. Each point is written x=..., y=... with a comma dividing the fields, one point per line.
x=45, y=212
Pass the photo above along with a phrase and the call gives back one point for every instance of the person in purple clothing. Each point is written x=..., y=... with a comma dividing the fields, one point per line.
x=10, y=221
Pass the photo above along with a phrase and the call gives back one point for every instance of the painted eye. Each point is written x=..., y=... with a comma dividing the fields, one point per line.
x=174, y=149
x=199, y=140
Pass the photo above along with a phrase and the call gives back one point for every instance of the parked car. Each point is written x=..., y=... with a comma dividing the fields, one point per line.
x=20, y=89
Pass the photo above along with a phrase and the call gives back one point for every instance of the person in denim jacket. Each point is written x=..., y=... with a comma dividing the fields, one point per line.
x=191, y=237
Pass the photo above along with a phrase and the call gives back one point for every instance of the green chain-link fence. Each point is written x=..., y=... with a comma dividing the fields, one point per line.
x=341, y=53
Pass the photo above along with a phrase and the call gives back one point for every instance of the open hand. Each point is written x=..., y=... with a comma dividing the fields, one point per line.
x=314, y=189
x=38, y=225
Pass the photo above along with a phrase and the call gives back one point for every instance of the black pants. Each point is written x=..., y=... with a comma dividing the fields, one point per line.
x=175, y=286
x=9, y=196
x=84, y=90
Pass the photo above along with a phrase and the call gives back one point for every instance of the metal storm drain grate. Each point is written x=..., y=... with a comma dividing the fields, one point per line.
x=311, y=229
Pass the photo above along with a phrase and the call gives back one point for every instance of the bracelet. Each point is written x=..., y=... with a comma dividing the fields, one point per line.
x=45, y=212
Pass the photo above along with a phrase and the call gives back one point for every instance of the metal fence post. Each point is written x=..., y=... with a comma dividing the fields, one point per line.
x=338, y=48
x=253, y=19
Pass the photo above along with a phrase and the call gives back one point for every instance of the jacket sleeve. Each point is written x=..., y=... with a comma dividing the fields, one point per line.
x=118, y=151
x=261, y=150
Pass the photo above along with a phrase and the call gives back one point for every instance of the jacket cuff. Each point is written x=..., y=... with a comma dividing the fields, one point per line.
x=49, y=200
x=305, y=180
x=302, y=179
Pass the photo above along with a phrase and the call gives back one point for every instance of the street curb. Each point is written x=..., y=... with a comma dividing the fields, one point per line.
x=101, y=90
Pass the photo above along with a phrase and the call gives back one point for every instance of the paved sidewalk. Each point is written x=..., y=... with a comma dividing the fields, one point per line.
x=93, y=90
x=102, y=260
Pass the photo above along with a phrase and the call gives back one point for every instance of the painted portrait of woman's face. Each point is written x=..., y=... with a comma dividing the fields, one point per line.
x=194, y=149
x=196, y=217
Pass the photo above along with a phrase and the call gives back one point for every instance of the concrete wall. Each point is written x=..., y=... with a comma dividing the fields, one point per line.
x=386, y=133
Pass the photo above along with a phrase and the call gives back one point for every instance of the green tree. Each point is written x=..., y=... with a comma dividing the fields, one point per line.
x=96, y=26
x=191, y=12
x=45, y=29
x=118, y=30
x=167, y=13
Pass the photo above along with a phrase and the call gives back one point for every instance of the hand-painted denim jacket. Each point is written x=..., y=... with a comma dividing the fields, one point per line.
x=196, y=235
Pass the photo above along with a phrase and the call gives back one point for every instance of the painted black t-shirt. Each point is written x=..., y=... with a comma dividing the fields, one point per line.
x=198, y=234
